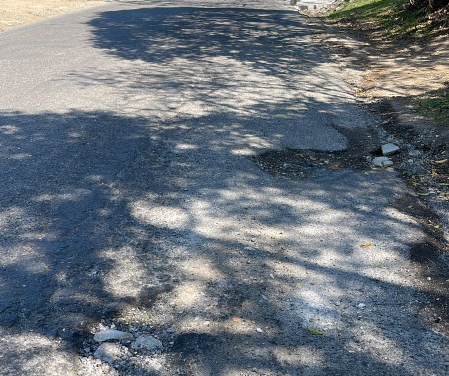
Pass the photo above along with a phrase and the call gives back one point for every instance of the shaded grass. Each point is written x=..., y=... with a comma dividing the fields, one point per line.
x=434, y=104
x=390, y=17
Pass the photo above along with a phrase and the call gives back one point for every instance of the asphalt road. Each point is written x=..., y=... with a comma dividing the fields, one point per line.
x=131, y=192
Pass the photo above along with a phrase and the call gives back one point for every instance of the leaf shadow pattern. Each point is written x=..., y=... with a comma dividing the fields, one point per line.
x=162, y=214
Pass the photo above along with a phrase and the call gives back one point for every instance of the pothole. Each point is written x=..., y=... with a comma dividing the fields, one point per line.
x=363, y=144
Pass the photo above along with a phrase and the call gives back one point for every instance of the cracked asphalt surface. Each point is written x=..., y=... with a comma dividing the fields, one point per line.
x=129, y=193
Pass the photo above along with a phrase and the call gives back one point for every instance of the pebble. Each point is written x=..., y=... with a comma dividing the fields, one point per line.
x=382, y=162
x=107, y=352
x=390, y=149
x=147, y=342
x=108, y=334
x=361, y=305
x=170, y=330
x=259, y=330
x=250, y=249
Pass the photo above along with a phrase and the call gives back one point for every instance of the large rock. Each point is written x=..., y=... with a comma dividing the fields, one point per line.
x=108, y=352
x=108, y=334
x=389, y=149
x=147, y=342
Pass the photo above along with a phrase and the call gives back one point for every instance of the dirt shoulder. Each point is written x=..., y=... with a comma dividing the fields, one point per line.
x=392, y=76
x=16, y=13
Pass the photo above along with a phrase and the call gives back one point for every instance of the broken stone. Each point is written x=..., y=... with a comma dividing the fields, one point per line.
x=147, y=342
x=382, y=162
x=250, y=249
x=108, y=334
x=108, y=352
x=390, y=149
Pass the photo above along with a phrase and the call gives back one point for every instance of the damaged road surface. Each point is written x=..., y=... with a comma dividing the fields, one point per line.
x=145, y=231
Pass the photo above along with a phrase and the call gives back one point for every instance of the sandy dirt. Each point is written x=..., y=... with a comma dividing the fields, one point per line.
x=15, y=13
x=410, y=70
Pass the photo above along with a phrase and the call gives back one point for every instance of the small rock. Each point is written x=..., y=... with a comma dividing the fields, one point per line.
x=170, y=330
x=390, y=149
x=147, y=342
x=259, y=330
x=108, y=334
x=108, y=352
x=361, y=305
x=250, y=249
x=429, y=278
x=382, y=162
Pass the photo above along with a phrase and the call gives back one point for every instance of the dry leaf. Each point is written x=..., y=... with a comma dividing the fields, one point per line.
x=367, y=245
x=441, y=161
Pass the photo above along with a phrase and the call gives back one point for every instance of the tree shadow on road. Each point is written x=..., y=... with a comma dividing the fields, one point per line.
x=155, y=212
x=100, y=218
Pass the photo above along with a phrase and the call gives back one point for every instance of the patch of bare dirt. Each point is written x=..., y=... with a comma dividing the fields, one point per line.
x=16, y=13
x=407, y=70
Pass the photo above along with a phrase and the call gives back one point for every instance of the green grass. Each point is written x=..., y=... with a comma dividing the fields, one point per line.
x=434, y=104
x=388, y=16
